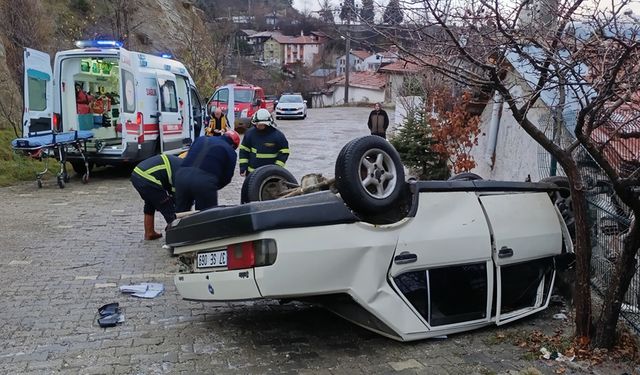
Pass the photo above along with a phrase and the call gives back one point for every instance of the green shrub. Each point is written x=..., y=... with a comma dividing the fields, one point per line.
x=15, y=167
x=415, y=145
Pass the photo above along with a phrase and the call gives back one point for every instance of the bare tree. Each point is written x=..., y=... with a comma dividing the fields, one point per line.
x=123, y=18
x=563, y=48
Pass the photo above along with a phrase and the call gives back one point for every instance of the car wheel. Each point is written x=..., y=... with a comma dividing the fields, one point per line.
x=465, y=176
x=369, y=175
x=266, y=183
x=562, y=200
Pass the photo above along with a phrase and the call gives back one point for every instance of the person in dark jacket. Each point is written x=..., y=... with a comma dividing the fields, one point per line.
x=263, y=144
x=154, y=179
x=207, y=168
x=378, y=121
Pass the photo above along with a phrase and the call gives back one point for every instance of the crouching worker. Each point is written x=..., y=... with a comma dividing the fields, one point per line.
x=154, y=179
x=207, y=168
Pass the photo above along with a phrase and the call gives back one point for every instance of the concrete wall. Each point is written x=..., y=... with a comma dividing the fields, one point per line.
x=516, y=153
x=356, y=94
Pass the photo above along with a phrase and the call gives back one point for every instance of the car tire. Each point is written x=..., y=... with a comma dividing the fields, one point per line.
x=562, y=200
x=465, y=176
x=266, y=183
x=369, y=175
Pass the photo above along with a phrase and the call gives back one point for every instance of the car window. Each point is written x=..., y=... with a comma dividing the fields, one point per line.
x=290, y=99
x=243, y=96
x=430, y=293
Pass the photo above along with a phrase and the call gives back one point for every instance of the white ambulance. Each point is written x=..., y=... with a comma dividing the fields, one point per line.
x=137, y=105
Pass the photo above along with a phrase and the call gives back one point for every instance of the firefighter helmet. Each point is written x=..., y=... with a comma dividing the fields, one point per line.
x=234, y=137
x=262, y=116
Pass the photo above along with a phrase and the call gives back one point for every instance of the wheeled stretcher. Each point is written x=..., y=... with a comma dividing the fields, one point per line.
x=55, y=145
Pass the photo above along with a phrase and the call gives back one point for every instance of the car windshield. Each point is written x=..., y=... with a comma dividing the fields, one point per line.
x=243, y=95
x=290, y=99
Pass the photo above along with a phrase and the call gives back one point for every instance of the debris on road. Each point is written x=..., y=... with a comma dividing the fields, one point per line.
x=110, y=315
x=143, y=290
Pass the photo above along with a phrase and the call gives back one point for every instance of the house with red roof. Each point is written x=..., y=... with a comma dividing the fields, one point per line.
x=364, y=87
x=355, y=62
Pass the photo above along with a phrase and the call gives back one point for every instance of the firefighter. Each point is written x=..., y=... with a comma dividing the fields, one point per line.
x=154, y=179
x=207, y=168
x=263, y=144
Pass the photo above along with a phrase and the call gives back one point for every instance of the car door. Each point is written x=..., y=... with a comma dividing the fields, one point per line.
x=130, y=122
x=527, y=234
x=442, y=265
x=169, y=118
x=38, y=93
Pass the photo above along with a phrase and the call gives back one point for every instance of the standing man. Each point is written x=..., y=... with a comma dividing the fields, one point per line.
x=154, y=180
x=217, y=125
x=207, y=168
x=263, y=144
x=378, y=121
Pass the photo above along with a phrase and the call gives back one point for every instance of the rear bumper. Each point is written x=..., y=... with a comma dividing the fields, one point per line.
x=218, y=286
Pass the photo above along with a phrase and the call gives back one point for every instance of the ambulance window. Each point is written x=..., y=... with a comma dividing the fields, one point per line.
x=37, y=94
x=129, y=100
x=168, y=98
x=223, y=95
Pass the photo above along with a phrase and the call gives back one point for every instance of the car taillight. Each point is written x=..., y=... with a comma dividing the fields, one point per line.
x=139, y=121
x=56, y=122
x=251, y=254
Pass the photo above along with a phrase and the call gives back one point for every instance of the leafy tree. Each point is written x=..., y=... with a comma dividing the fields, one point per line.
x=392, y=14
x=367, y=13
x=415, y=144
x=348, y=11
x=326, y=12
x=455, y=131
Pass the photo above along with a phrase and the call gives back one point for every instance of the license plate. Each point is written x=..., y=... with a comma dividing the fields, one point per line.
x=212, y=259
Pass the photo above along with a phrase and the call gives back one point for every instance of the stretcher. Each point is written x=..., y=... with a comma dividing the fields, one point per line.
x=43, y=147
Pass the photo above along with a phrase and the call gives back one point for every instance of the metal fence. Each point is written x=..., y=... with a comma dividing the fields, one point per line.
x=609, y=221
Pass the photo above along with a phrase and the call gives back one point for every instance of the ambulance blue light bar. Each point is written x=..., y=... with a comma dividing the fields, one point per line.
x=98, y=44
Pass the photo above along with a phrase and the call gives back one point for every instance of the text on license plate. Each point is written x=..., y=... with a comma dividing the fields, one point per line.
x=212, y=259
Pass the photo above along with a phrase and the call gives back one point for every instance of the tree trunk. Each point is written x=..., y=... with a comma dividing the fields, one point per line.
x=605, y=336
x=582, y=249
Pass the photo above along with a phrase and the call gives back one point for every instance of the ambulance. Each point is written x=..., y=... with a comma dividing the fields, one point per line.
x=136, y=104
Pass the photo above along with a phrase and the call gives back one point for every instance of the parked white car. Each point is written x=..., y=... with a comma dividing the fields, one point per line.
x=291, y=106
x=408, y=260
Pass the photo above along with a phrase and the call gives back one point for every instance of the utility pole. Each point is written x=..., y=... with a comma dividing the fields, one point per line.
x=347, y=67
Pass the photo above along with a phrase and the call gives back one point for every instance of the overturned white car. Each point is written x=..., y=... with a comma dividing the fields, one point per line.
x=409, y=260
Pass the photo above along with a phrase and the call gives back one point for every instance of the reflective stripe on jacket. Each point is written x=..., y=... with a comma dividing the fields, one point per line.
x=263, y=147
x=159, y=169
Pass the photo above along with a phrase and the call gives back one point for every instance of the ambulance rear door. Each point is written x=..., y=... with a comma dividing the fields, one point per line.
x=130, y=122
x=38, y=93
x=169, y=116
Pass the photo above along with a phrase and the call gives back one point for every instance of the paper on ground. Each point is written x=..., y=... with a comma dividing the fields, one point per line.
x=143, y=290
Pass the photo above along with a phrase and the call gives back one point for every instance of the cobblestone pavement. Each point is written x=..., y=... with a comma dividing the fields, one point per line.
x=65, y=252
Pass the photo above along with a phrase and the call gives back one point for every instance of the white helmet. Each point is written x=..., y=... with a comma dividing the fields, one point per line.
x=262, y=116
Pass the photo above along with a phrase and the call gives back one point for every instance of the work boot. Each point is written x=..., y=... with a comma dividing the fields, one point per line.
x=149, y=228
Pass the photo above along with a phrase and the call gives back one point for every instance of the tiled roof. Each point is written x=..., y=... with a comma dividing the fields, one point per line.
x=303, y=40
x=361, y=54
x=401, y=66
x=620, y=140
x=282, y=39
x=265, y=34
x=367, y=80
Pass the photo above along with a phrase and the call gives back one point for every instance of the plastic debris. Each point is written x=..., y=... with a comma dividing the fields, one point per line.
x=143, y=290
x=560, y=316
x=110, y=315
x=546, y=354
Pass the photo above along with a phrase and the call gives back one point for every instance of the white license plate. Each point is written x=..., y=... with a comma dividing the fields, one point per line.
x=212, y=259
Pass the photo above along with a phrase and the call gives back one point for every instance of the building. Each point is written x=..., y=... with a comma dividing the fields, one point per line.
x=258, y=40
x=364, y=87
x=397, y=72
x=355, y=62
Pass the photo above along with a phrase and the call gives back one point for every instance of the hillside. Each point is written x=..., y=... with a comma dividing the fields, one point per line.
x=153, y=26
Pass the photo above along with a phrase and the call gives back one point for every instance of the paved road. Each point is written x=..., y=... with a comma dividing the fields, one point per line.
x=65, y=252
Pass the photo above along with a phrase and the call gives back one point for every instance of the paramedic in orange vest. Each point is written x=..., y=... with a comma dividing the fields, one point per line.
x=217, y=125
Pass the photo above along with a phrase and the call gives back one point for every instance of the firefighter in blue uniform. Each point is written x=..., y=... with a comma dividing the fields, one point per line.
x=263, y=144
x=154, y=179
x=207, y=168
